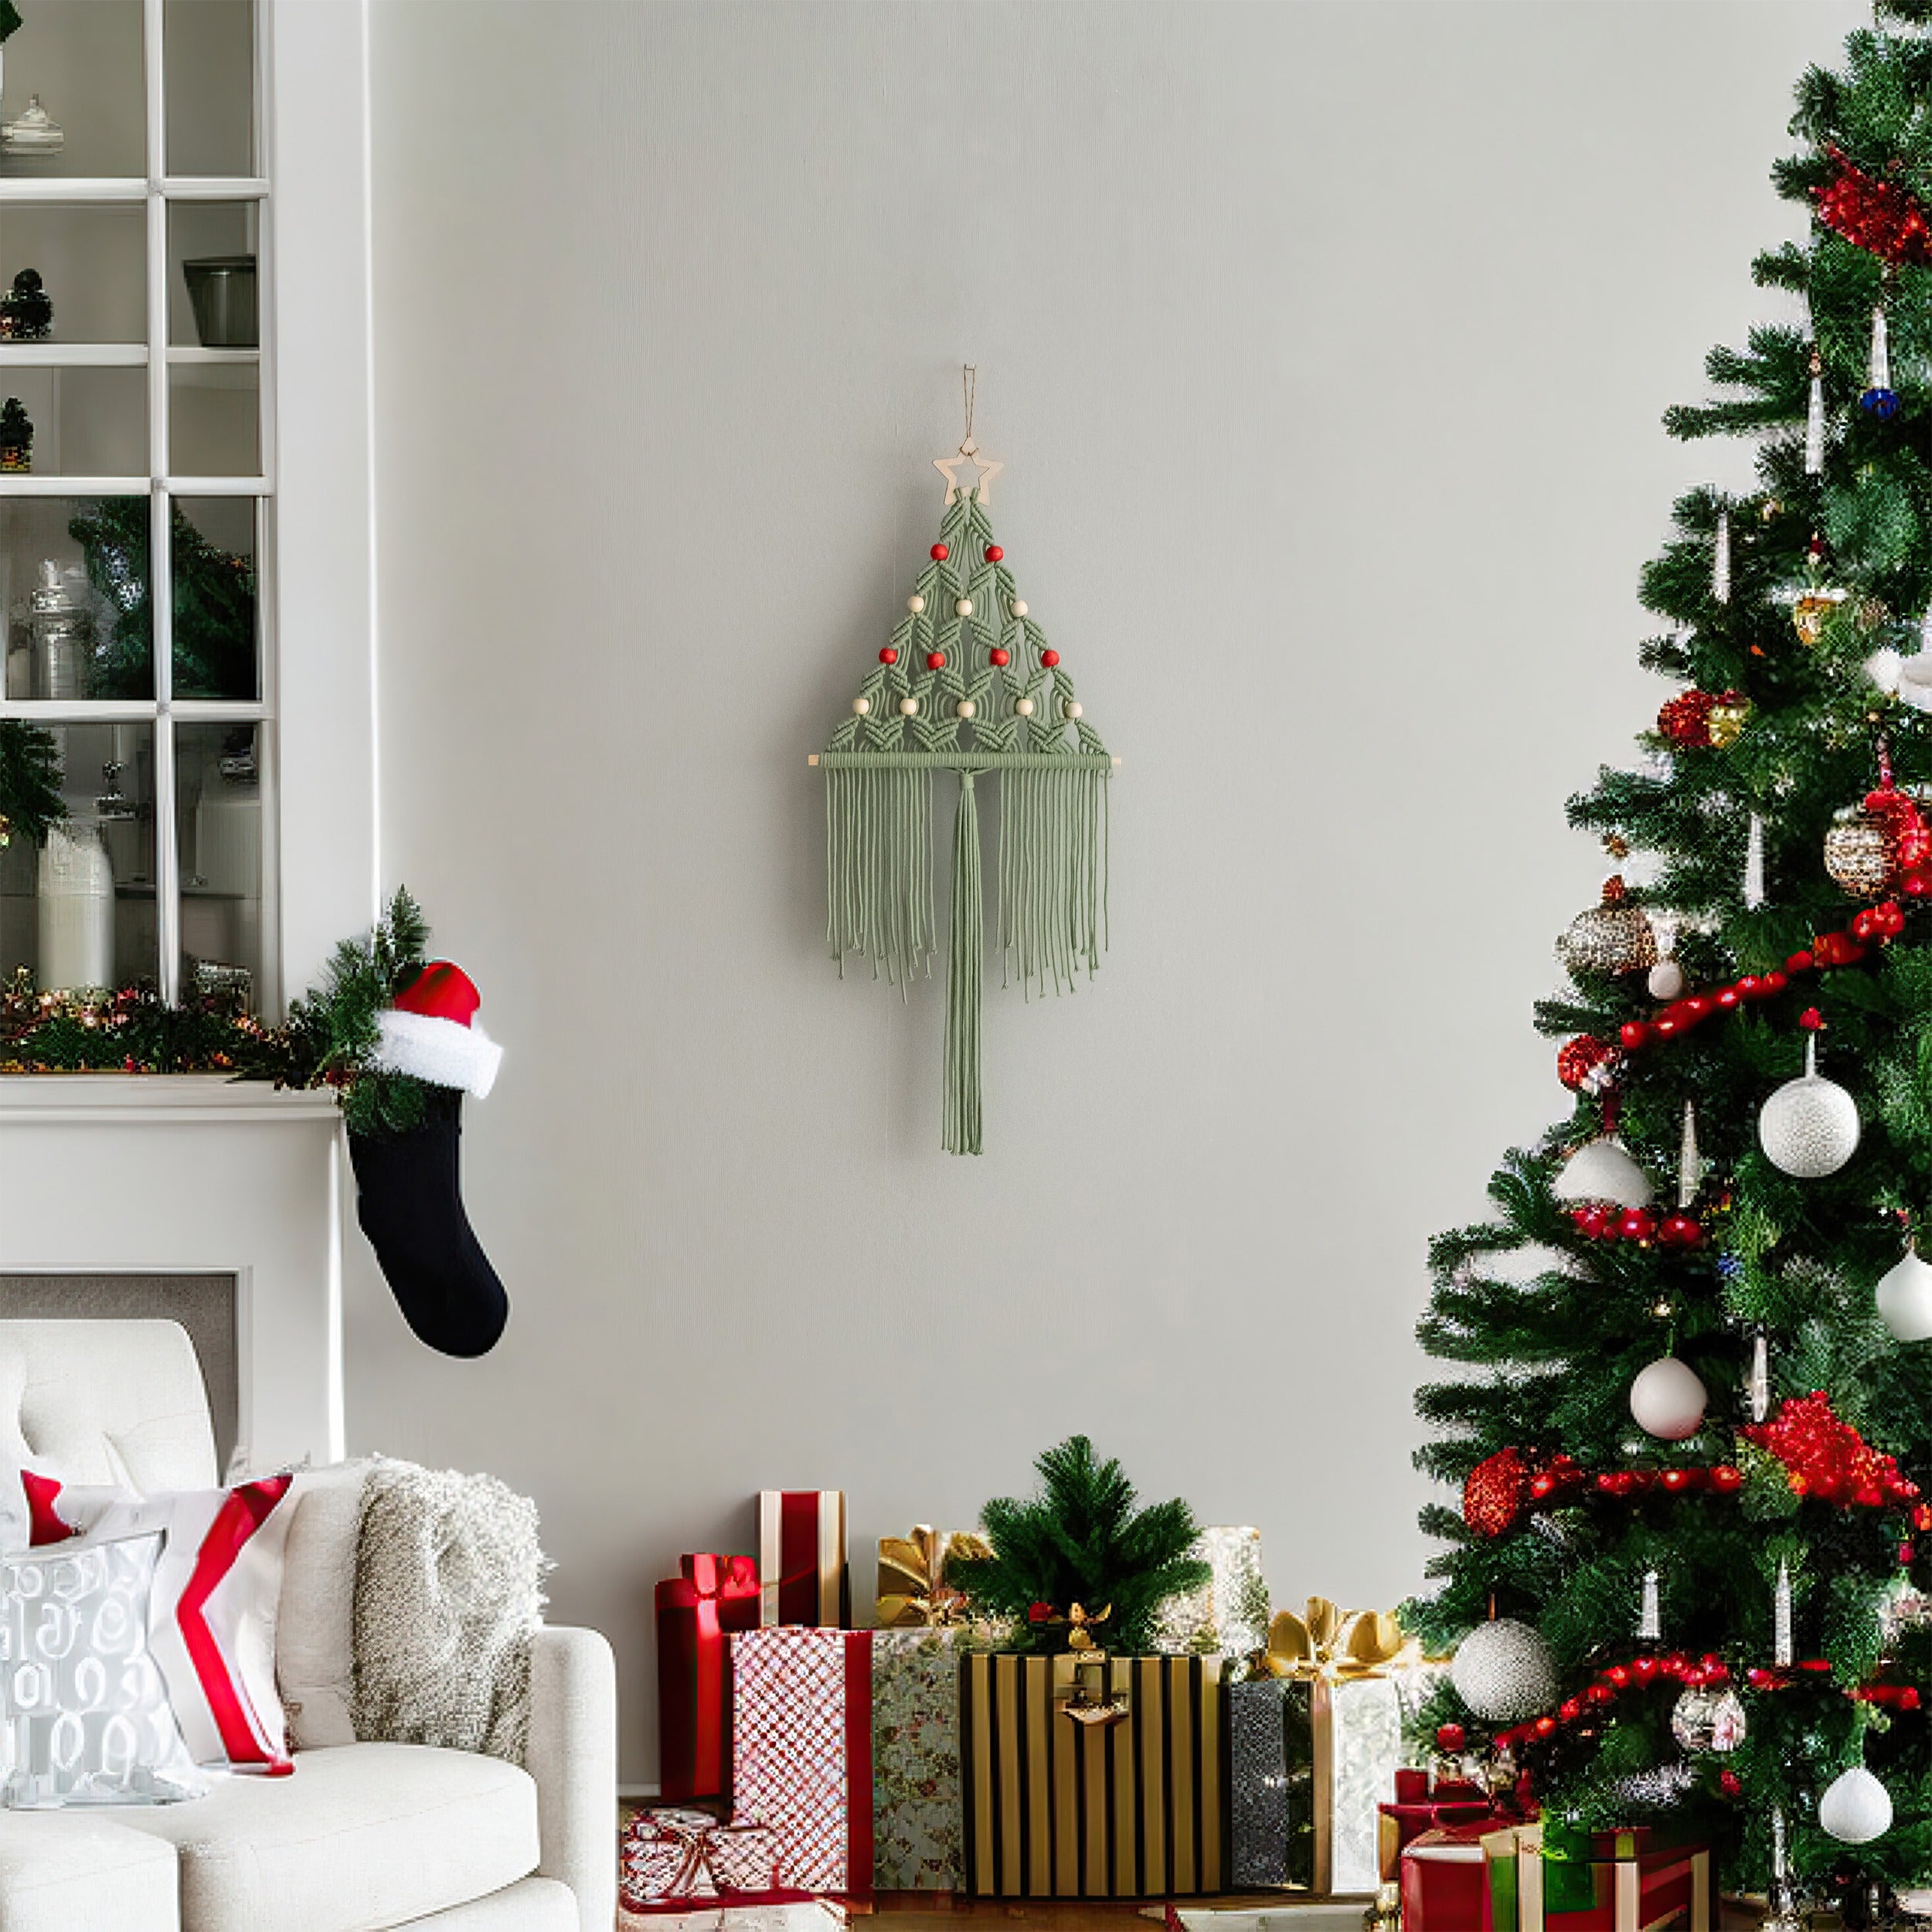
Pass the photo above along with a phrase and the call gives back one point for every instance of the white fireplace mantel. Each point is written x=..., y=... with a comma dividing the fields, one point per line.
x=102, y=1174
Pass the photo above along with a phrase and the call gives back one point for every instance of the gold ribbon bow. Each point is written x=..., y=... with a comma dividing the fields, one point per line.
x=918, y=1563
x=1334, y=1643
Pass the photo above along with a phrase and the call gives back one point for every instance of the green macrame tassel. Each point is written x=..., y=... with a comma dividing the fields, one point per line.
x=961, y=1100
x=1052, y=872
x=878, y=868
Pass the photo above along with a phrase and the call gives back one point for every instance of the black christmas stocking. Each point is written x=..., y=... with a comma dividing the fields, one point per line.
x=408, y=1200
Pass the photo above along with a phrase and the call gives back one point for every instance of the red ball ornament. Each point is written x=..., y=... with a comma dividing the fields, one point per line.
x=1049, y=658
x=1680, y=1230
x=1774, y=983
x=888, y=655
x=1800, y=961
x=1594, y=1221
x=1686, y=719
x=935, y=660
x=1583, y=1063
x=1494, y=1492
x=939, y=553
x=1637, y=1224
x=1000, y=656
x=1451, y=1738
x=993, y=553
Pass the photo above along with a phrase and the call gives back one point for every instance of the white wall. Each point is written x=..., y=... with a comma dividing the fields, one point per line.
x=1325, y=346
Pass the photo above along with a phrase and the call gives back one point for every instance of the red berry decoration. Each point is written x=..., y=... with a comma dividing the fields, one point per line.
x=1878, y=216
x=1000, y=655
x=939, y=553
x=888, y=655
x=935, y=660
x=993, y=553
x=1686, y=720
x=1680, y=1230
x=1494, y=1493
x=1637, y=1224
x=1049, y=658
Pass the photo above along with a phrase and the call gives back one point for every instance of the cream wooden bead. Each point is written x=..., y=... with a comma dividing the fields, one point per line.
x=860, y=706
x=967, y=707
x=964, y=608
x=1018, y=606
x=1070, y=709
x=915, y=603
x=907, y=706
x=1024, y=706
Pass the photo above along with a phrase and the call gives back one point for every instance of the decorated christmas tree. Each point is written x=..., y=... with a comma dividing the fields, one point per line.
x=1692, y=1409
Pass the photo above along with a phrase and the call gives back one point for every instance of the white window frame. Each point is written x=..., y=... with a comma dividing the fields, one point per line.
x=315, y=533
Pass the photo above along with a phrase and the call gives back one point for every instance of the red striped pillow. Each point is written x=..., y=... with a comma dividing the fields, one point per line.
x=211, y=1616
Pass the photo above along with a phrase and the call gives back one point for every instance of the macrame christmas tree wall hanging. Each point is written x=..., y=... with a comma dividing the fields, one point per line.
x=966, y=684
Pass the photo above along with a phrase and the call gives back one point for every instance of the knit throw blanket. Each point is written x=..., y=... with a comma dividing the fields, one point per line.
x=449, y=1585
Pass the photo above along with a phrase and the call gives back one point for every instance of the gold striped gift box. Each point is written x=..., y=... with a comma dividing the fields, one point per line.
x=1054, y=1808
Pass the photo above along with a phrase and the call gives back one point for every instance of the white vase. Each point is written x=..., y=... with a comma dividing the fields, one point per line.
x=76, y=908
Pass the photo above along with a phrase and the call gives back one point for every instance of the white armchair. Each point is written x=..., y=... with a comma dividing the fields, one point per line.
x=364, y=1837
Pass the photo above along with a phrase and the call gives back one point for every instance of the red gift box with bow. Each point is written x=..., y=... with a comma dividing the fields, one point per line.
x=697, y=1612
x=1425, y=1805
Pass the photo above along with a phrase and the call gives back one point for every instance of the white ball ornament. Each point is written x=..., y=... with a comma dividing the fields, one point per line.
x=1666, y=980
x=860, y=706
x=967, y=707
x=1904, y=1296
x=915, y=603
x=1667, y=1400
x=1504, y=1672
x=1018, y=606
x=1602, y=1170
x=1856, y=1808
x=1809, y=1127
x=1024, y=706
x=964, y=608
x=907, y=706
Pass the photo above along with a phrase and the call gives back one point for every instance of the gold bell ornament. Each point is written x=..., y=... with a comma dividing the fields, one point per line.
x=1614, y=936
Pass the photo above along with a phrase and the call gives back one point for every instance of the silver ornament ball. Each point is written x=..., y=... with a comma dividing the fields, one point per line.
x=1809, y=1127
x=1706, y=1719
x=1505, y=1672
x=1667, y=1399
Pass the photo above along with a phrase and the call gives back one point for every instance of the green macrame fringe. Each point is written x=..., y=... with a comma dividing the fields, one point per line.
x=1052, y=872
x=1052, y=892
x=878, y=868
x=960, y=1098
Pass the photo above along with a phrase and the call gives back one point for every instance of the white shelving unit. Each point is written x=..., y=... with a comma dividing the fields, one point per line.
x=172, y=366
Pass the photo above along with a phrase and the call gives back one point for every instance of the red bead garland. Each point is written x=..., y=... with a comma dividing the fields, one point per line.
x=1609, y=1684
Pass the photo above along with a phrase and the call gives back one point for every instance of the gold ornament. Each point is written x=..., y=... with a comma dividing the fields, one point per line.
x=1860, y=852
x=1614, y=937
x=913, y=1589
x=1769, y=514
x=1333, y=1643
x=1726, y=720
x=1809, y=610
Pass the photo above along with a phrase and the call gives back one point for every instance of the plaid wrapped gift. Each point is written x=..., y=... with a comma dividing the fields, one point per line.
x=801, y=1750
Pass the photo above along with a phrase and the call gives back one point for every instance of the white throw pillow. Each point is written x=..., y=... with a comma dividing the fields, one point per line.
x=315, y=1633
x=85, y=1714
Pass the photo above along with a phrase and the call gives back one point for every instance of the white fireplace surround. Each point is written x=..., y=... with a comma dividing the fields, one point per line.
x=156, y=1174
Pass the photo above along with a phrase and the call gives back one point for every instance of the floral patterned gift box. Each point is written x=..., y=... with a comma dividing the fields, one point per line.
x=917, y=1839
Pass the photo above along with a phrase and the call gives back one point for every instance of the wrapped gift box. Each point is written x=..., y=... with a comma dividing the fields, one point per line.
x=675, y=1861
x=801, y=1558
x=1629, y=1884
x=1229, y=1613
x=1056, y=1808
x=1312, y=1760
x=1422, y=1804
x=801, y=1750
x=808, y=1915
x=1445, y=1874
x=918, y=1843
x=697, y=1612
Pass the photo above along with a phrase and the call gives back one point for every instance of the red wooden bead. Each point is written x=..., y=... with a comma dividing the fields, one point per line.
x=1644, y=1669
x=1774, y=982
x=1748, y=987
x=1680, y=1230
x=1546, y=1727
x=888, y=655
x=1637, y=1224
x=1697, y=1006
x=1601, y=1694
x=1569, y=1710
x=1618, y=1675
x=999, y=655
x=1634, y=1032
x=1799, y=962
x=993, y=553
x=1725, y=997
x=939, y=553
x=935, y=660
x=1049, y=658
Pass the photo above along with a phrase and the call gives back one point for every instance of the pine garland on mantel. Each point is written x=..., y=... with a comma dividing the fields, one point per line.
x=967, y=683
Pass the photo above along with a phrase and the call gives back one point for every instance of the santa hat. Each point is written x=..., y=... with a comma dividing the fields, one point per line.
x=433, y=1032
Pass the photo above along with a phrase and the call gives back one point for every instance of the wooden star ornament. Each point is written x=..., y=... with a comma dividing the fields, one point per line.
x=984, y=469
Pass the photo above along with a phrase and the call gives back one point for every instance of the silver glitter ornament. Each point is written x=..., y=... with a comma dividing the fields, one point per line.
x=1860, y=852
x=1505, y=1672
x=1809, y=1127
